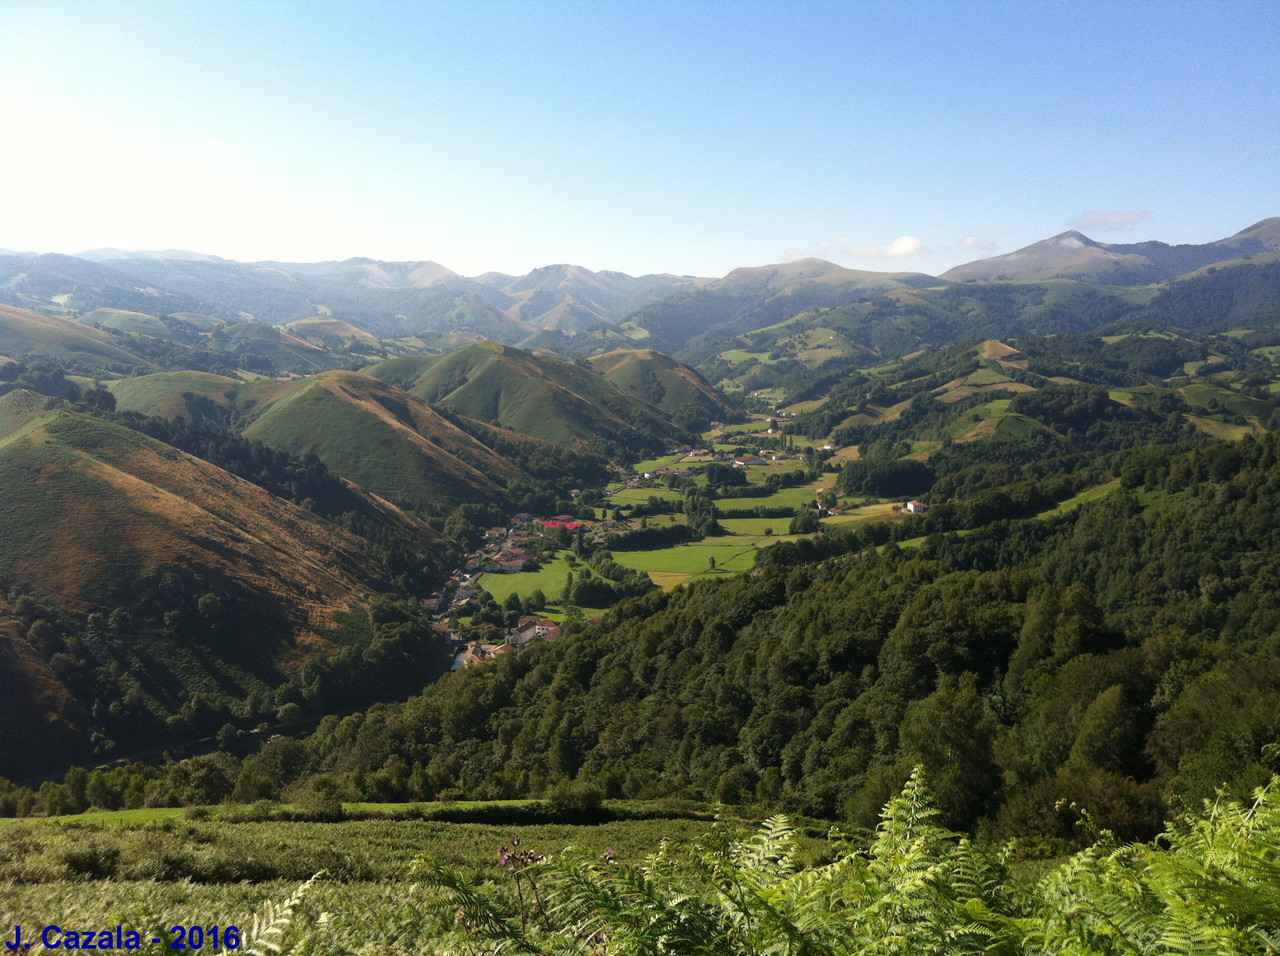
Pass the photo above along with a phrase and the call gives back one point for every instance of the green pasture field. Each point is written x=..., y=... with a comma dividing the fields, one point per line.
x=993, y=409
x=889, y=366
x=754, y=526
x=801, y=442
x=1017, y=426
x=872, y=512
x=109, y=817
x=738, y=356
x=629, y=496
x=653, y=464
x=671, y=567
x=797, y=496
x=819, y=354
x=1220, y=430
x=1089, y=494
x=549, y=579
x=1210, y=396
x=986, y=376
x=800, y=408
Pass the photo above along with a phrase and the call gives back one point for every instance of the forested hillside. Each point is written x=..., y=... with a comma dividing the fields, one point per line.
x=1120, y=655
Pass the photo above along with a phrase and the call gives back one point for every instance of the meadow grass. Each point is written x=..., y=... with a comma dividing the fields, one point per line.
x=1220, y=430
x=1089, y=494
x=878, y=511
x=738, y=356
x=670, y=567
x=630, y=496
x=108, y=817
x=755, y=526
x=987, y=376
x=550, y=579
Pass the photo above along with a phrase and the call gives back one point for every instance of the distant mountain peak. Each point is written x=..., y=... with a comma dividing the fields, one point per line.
x=1073, y=238
x=1073, y=255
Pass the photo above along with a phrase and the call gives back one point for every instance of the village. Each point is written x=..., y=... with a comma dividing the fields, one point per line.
x=504, y=551
x=526, y=542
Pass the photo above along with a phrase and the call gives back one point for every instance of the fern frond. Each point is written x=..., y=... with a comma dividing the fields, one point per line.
x=272, y=923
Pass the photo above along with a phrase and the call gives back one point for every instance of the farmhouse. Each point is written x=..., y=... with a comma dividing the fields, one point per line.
x=524, y=633
x=916, y=507
x=507, y=562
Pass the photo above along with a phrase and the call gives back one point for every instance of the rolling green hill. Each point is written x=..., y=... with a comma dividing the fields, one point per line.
x=536, y=395
x=663, y=382
x=30, y=336
x=329, y=333
x=376, y=435
x=193, y=395
x=103, y=507
x=263, y=347
x=380, y=437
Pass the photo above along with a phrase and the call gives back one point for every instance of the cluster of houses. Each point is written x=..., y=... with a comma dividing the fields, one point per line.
x=503, y=550
x=528, y=630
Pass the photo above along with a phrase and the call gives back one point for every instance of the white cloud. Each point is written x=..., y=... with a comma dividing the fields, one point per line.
x=979, y=245
x=1112, y=220
x=902, y=246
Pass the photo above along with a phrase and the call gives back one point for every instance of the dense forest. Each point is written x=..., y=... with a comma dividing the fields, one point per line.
x=1121, y=655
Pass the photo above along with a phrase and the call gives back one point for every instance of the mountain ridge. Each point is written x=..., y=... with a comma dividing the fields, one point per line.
x=1073, y=255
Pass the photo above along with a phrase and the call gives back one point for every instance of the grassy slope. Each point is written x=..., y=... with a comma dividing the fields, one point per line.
x=193, y=395
x=539, y=396
x=378, y=436
x=93, y=506
x=25, y=334
x=659, y=380
x=98, y=517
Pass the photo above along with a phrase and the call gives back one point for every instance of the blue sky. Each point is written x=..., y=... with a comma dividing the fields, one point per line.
x=689, y=137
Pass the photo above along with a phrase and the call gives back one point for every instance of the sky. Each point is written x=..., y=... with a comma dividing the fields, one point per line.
x=690, y=138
